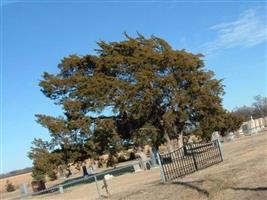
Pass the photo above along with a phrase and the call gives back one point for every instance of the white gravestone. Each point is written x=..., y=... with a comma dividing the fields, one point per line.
x=90, y=170
x=230, y=137
x=23, y=189
x=215, y=136
x=108, y=176
x=136, y=167
x=153, y=158
x=94, y=167
x=252, y=125
x=142, y=159
x=61, y=190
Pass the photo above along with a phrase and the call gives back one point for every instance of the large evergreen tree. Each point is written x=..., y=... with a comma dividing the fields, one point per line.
x=156, y=94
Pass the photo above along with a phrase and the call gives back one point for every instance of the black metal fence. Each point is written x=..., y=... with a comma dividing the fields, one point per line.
x=188, y=159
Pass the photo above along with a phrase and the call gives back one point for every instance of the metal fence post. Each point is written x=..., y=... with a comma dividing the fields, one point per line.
x=153, y=158
x=98, y=191
x=220, y=149
x=161, y=169
x=193, y=154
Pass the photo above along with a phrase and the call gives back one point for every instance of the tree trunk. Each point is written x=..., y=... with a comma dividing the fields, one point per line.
x=180, y=140
x=168, y=141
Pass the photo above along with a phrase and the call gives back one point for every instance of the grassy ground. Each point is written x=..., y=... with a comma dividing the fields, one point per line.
x=27, y=178
x=242, y=175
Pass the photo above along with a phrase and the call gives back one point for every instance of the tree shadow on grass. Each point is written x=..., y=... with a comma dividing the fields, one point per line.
x=191, y=185
x=250, y=189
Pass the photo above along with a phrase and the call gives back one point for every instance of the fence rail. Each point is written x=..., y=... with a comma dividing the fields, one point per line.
x=188, y=159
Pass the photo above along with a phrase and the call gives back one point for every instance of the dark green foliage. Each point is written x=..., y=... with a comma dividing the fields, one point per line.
x=231, y=122
x=155, y=93
x=9, y=186
x=107, y=140
x=44, y=162
x=224, y=122
x=52, y=175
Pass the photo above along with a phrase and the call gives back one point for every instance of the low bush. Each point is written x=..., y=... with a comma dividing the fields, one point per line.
x=10, y=187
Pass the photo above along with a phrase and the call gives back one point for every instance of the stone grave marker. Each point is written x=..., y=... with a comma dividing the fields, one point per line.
x=136, y=167
x=153, y=158
x=230, y=137
x=215, y=136
x=23, y=188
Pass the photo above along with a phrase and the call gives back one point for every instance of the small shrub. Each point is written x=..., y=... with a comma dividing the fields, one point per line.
x=38, y=185
x=10, y=187
x=38, y=174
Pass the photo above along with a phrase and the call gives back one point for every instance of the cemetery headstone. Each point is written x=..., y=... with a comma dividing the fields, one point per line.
x=61, y=189
x=23, y=188
x=245, y=128
x=215, y=136
x=143, y=159
x=230, y=137
x=136, y=167
x=94, y=166
x=148, y=165
x=252, y=125
x=108, y=176
x=61, y=174
x=90, y=170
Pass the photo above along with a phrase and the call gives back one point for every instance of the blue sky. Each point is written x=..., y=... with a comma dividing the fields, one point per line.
x=37, y=35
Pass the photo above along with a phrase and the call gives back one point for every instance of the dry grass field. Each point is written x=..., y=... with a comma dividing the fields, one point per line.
x=242, y=175
x=17, y=181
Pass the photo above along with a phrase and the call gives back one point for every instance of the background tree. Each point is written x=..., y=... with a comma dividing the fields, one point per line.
x=156, y=94
x=260, y=106
x=256, y=110
x=245, y=111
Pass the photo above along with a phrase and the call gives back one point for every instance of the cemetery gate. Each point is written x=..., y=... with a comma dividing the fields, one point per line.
x=188, y=159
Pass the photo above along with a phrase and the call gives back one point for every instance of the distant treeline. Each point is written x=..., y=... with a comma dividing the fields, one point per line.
x=257, y=109
x=16, y=172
